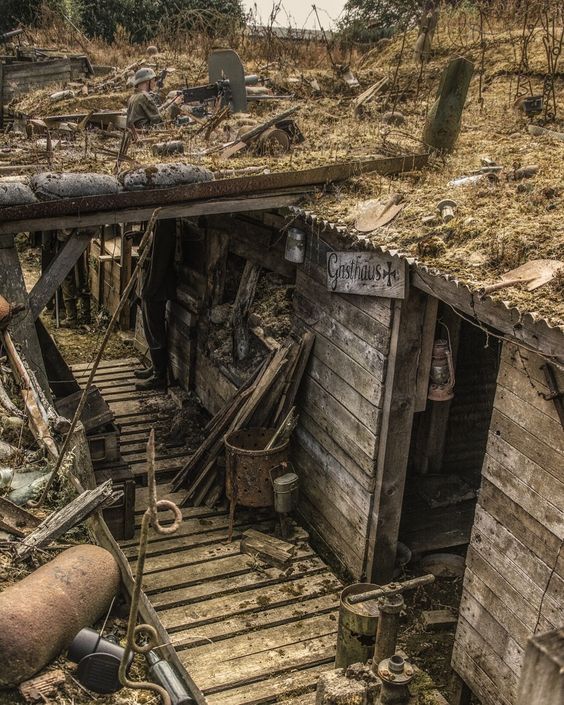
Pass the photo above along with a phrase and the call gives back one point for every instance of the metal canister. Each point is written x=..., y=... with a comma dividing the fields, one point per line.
x=286, y=492
x=89, y=641
x=295, y=245
x=164, y=673
x=356, y=634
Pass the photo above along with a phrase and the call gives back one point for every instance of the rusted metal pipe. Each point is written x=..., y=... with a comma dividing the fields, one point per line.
x=391, y=589
x=388, y=626
x=41, y=615
x=396, y=675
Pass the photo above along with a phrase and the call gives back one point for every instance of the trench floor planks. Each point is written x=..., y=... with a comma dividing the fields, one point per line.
x=248, y=633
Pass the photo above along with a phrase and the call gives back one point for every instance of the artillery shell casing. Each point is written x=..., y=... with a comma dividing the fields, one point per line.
x=40, y=615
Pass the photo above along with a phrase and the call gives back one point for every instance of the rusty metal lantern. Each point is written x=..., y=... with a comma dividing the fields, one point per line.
x=441, y=387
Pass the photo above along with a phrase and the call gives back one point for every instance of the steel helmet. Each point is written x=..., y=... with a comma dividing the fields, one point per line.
x=143, y=75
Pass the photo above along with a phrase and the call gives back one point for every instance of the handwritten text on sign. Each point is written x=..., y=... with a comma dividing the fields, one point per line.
x=369, y=273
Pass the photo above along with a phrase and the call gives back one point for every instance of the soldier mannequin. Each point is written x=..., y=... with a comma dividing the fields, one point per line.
x=142, y=110
x=75, y=288
x=158, y=285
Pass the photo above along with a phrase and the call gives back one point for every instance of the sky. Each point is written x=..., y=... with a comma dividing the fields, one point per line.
x=299, y=11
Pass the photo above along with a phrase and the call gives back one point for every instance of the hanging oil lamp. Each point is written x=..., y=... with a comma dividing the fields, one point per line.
x=441, y=387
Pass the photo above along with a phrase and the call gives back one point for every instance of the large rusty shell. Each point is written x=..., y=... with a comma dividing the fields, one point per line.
x=5, y=312
x=40, y=615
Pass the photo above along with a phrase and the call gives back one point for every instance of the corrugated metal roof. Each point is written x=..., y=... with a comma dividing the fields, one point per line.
x=516, y=318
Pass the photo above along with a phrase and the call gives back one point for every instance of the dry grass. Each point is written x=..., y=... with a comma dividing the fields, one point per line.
x=496, y=228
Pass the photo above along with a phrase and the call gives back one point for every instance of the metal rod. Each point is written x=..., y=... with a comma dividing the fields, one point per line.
x=144, y=251
x=150, y=518
x=391, y=589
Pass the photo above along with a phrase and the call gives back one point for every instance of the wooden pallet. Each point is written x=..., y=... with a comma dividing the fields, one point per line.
x=248, y=633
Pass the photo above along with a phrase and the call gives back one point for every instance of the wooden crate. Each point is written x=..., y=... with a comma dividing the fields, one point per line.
x=104, y=445
x=120, y=517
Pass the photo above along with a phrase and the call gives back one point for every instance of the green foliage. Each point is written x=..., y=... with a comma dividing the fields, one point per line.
x=369, y=20
x=26, y=12
x=143, y=19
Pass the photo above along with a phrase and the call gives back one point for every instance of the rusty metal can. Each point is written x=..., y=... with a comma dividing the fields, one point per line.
x=40, y=615
x=356, y=634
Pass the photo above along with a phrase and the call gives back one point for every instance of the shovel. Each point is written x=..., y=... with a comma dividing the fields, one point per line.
x=532, y=274
x=379, y=214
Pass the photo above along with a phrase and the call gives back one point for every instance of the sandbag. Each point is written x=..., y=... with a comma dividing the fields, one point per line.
x=164, y=176
x=49, y=186
x=15, y=193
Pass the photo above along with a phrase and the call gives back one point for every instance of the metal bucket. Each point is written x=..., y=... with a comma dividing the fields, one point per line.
x=250, y=467
x=356, y=634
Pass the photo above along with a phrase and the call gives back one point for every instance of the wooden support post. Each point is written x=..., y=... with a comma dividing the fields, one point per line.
x=431, y=436
x=22, y=330
x=460, y=693
x=56, y=272
x=393, y=451
x=59, y=374
x=241, y=309
x=218, y=248
x=125, y=276
x=424, y=367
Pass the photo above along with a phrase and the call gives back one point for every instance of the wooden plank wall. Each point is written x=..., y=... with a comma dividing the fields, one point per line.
x=514, y=581
x=28, y=76
x=336, y=441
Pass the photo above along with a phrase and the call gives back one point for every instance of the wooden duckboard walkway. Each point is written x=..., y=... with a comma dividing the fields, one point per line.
x=248, y=633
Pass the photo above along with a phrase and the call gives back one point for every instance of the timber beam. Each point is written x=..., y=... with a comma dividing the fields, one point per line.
x=78, y=219
x=54, y=275
x=205, y=198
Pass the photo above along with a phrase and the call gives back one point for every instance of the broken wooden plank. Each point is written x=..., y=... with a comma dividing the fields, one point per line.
x=241, y=308
x=96, y=411
x=37, y=414
x=267, y=548
x=60, y=522
x=435, y=620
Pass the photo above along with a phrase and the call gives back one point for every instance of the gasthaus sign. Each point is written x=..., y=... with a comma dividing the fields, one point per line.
x=368, y=273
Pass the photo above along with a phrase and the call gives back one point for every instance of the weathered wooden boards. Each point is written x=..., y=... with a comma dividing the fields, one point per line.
x=262, y=402
x=248, y=633
x=514, y=582
x=135, y=413
x=340, y=408
x=542, y=679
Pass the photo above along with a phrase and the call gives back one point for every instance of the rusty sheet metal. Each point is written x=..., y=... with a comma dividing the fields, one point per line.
x=16, y=520
x=222, y=188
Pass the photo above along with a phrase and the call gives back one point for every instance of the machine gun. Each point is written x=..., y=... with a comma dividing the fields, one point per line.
x=230, y=92
x=212, y=91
